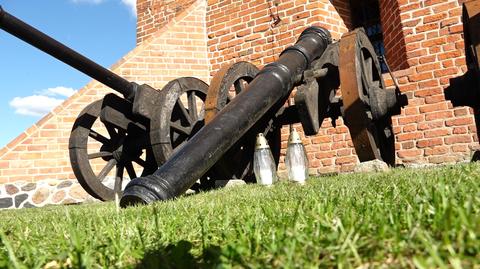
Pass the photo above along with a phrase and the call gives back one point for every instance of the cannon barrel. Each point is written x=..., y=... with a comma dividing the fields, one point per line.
x=271, y=87
x=43, y=42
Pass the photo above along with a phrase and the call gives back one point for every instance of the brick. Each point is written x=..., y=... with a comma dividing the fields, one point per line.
x=410, y=119
x=438, y=115
x=445, y=72
x=407, y=145
x=434, y=42
x=433, y=107
x=424, y=143
x=460, y=148
x=460, y=130
x=409, y=136
x=325, y=154
x=430, y=125
x=4, y=164
x=459, y=121
x=461, y=111
x=434, y=99
x=458, y=139
x=436, y=133
x=439, y=150
x=345, y=160
x=434, y=18
x=420, y=76
x=409, y=153
x=409, y=128
x=428, y=67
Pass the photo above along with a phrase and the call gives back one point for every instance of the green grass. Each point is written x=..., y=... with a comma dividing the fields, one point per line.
x=403, y=218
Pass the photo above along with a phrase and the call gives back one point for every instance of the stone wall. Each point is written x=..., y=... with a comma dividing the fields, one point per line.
x=22, y=194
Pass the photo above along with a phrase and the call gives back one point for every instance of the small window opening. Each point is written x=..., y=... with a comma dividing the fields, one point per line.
x=366, y=14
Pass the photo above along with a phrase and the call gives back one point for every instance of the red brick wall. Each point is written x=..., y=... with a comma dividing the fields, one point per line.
x=152, y=15
x=394, y=33
x=422, y=39
x=430, y=130
x=423, y=42
x=244, y=30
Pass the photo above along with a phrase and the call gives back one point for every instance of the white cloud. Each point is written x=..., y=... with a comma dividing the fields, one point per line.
x=132, y=5
x=41, y=103
x=63, y=91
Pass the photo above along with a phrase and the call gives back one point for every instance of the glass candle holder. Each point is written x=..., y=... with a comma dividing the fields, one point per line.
x=296, y=159
x=264, y=166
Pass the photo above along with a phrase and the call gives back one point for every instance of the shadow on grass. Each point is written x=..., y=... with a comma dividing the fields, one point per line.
x=179, y=256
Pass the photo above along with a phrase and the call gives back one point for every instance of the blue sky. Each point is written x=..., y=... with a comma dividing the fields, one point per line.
x=32, y=82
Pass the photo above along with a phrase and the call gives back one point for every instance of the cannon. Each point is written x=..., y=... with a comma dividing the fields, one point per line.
x=135, y=133
x=317, y=68
x=465, y=90
x=189, y=134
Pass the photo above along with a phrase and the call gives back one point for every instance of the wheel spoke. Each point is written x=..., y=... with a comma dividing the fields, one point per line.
x=140, y=162
x=111, y=131
x=368, y=70
x=108, y=167
x=99, y=154
x=180, y=128
x=100, y=138
x=130, y=170
x=117, y=187
x=184, y=111
x=192, y=105
x=149, y=165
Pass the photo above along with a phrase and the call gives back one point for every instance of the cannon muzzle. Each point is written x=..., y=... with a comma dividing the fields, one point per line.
x=43, y=42
x=270, y=88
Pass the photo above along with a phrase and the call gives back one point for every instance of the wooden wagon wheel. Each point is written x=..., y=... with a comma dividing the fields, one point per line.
x=227, y=83
x=360, y=76
x=179, y=117
x=130, y=143
x=122, y=147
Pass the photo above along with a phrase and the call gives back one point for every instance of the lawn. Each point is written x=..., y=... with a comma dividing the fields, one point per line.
x=428, y=218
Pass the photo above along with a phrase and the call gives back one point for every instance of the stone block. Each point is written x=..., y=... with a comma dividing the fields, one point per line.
x=229, y=183
x=40, y=196
x=6, y=202
x=77, y=192
x=64, y=184
x=11, y=189
x=20, y=198
x=29, y=186
x=58, y=196
x=371, y=166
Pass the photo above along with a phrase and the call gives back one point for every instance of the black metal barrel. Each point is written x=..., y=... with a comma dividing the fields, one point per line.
x=270, y=87
x=34, y=37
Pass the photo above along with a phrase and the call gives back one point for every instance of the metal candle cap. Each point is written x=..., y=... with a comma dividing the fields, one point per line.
x=261, y=142
x=294, y=137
